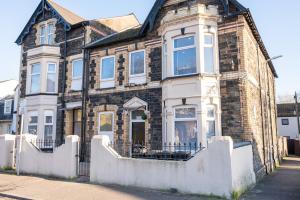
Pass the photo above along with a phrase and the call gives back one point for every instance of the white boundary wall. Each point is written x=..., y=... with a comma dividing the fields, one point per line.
x=7, y=145
x=217, y=170
x=61, y=163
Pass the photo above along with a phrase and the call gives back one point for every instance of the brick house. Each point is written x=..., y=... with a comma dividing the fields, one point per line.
x=194, y=69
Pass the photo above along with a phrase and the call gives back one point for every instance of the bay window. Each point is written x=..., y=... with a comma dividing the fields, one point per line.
x=137, y=63
x=33, y=123
x=106, y=121
x=7, y=107
x=185, y=126
x=184, y=56
x=107, y=69
x=35, y=78
x=77, y=71
x=209, y=58
x=51, y=77
x=211, y=121
x=48, y=126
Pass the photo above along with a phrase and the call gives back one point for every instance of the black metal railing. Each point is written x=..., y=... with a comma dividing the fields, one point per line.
x=47, y=145
x=166, y=151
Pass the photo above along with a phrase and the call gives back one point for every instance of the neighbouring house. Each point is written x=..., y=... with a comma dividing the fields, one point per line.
x=7, y=108
x=193, y=70
x=287, y=120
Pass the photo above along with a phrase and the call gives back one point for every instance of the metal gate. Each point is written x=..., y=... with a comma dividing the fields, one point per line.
x=84, y=161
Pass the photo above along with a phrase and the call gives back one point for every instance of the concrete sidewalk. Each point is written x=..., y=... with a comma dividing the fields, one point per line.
x=26, y=187
x=284, y=184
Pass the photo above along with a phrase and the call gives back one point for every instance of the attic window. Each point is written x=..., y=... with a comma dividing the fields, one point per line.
x=47, y=34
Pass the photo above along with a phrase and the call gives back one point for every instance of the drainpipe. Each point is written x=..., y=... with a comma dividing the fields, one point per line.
x=261, y=107
x=63, y=87
x=83, y=90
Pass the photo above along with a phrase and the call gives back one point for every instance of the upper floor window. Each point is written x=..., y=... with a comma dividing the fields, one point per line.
x=50, y=32
x=211, y=121
x=47, y=34
x=107, y=69
x=43, y=34
x=51, y=77
x=185, y=125
x=285, y=122
x=209, y=58
x=77, y=71
x=184, y=55
x=35, y=78
x=7, y=106
x=137, y=63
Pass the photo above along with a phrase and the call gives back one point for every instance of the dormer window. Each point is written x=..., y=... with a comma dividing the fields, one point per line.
x=184, y=56
x=43, y=35
x=47, y=34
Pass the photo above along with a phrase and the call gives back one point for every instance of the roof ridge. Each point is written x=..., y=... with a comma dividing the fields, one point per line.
x=114, y=17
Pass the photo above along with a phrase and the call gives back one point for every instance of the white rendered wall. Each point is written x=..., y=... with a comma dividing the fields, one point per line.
x=61, y=163
x=290, y=130
x=7, y=145
x=209, y=172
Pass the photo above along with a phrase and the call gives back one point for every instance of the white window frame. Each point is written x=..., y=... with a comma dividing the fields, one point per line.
x=48, y=113
x=108, y=82
x=165, y=60
x=33, y=114
x=130, y=62
x=43, y=35
x=79, y=77
x=55, y=75
x=135, y=121
x=211, y=119
x=184, y=48
x=113, y=122
x=185, y=119
x=50, y=34
x=286, y=120
x=213, y=49
x=7, y=104
x=34, y=74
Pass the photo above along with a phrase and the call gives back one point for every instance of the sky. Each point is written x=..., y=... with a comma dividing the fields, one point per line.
x=277, y=24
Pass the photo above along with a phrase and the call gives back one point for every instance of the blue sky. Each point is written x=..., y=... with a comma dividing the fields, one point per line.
x=278, y=26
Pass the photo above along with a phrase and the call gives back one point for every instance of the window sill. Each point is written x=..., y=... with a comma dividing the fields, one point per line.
x=179, y=77
x=103, y=89
x=41, y=94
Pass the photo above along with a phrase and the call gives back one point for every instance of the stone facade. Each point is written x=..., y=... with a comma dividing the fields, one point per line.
x=240, y=90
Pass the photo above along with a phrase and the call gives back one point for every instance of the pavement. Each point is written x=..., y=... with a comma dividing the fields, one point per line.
x=14, y=187
x=283, y=184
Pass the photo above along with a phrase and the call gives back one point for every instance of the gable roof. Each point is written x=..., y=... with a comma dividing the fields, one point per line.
x=63, y=15
x=7, y=88
x=120, y=23
x=69, y=16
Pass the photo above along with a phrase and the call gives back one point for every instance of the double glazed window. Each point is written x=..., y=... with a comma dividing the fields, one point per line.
x=211, y=121
x=77, y=71
x=48, y=126
x=33, y=123
x=47, y=34
x=51, y=77
x=285, y=122
x=106, y=121
x=107, y=68
x=184, y=55
x=137, y=63
x=185, y=125
x=35, y=78
x=7, y=107
x=209, y=58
